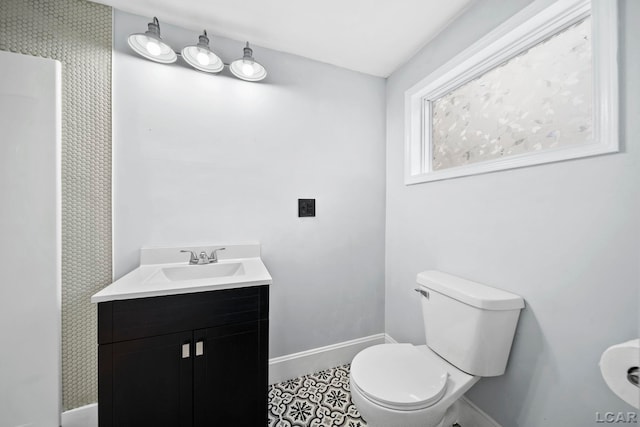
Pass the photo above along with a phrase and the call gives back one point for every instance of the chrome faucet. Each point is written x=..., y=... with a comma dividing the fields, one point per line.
x=196, y=259
x=214, y=254
x=202, y=258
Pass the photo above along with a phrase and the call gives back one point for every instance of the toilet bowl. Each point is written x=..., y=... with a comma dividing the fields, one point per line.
x=403, y=385
x=469, y=329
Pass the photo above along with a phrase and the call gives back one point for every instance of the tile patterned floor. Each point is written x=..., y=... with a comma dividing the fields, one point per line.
x=317, y=400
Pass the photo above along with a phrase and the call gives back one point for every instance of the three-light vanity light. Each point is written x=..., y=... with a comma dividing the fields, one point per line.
x=200, y=56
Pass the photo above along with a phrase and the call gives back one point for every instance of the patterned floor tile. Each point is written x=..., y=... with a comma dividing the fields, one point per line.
x=322, y=399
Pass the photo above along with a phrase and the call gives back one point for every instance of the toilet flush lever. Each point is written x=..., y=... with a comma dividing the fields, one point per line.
x=422, y=292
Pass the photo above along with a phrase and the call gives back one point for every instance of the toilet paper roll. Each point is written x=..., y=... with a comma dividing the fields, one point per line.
x=616, y=364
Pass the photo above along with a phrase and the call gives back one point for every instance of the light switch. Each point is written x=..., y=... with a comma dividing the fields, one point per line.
x=306, y=207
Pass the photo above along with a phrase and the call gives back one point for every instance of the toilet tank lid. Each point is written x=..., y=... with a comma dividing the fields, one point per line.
x=468, y=292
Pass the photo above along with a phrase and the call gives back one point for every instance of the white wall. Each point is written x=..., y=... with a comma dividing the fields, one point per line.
x=212, y=159
x=30, y=285
x=565, y=236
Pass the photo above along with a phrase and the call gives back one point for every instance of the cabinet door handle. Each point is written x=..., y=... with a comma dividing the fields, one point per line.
x=199, y=348
x=185, y=350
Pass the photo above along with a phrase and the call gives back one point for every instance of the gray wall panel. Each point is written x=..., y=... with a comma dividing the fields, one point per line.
x=563, y=235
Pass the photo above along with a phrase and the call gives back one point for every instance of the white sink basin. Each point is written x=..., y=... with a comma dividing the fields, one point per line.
x=165, y=271
x=198, y=272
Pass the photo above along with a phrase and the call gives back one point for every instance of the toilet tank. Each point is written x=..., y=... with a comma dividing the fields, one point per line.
x=469, y=324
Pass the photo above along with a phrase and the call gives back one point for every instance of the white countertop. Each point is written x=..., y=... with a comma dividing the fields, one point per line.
x=148, y=280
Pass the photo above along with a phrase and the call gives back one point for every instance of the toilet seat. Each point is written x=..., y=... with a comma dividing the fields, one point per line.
x=398, y=376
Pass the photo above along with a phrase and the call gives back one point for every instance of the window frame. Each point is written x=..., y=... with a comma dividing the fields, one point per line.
x=524, y=30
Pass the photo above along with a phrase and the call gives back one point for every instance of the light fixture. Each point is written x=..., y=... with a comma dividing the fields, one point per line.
x=151, y=46
x=201, y=57
x=246, y=68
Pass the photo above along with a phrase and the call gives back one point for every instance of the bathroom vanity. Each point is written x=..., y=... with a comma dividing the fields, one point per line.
x=190, y=352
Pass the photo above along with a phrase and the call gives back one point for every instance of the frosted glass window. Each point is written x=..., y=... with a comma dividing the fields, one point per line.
x=541, y=87
x=538, y=100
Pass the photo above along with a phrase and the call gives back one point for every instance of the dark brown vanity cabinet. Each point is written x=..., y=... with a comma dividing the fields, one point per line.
x=189, y=360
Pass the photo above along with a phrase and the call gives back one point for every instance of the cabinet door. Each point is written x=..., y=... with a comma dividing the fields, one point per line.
x=151, y=382
x=230, y=375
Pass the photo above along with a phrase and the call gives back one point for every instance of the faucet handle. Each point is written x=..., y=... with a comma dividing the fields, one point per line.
x=214, y=257
x=193, y=259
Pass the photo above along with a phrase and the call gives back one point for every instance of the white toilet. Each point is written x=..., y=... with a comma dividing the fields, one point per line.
x=469, y=330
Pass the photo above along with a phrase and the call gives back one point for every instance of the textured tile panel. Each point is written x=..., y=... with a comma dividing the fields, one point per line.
x=78, y=34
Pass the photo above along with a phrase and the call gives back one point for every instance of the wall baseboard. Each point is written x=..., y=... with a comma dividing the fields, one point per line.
x=472, y=416
x=84, y=416
x=389, y=339
x=317, y=359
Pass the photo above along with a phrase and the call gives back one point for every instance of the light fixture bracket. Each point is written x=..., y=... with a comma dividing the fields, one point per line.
x=203, y=40
x=248, y=52
x=154, y=28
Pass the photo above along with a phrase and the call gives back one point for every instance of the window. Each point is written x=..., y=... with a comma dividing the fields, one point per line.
x=540, y=88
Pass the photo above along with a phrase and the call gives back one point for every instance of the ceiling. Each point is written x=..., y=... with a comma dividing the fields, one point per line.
x=371, y=36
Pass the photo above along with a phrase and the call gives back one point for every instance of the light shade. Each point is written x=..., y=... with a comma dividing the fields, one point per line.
x=246, y=68
x=201, y=57
x=151, y=46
